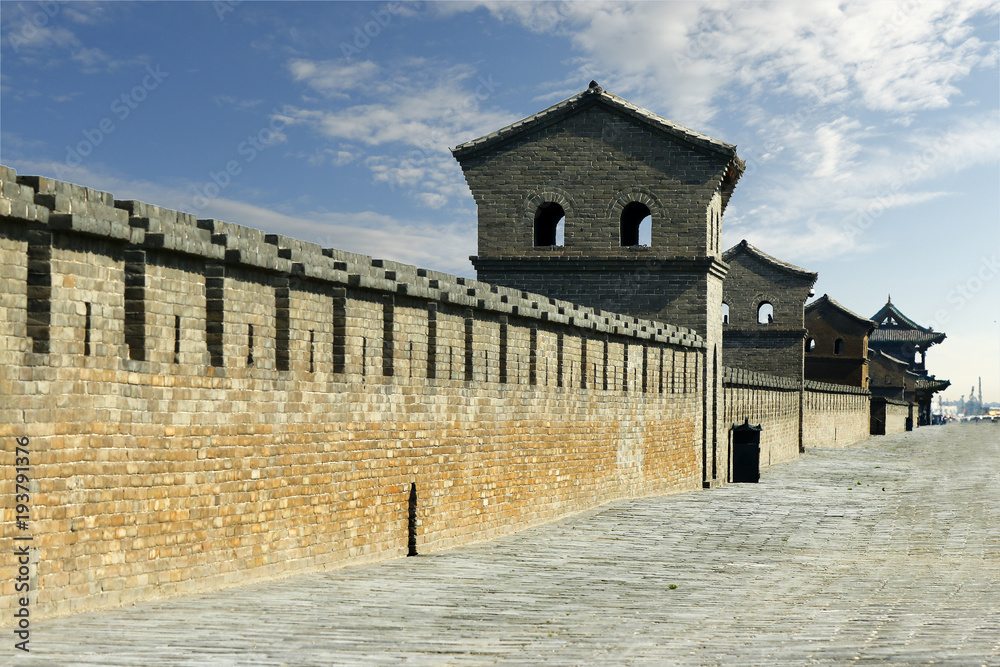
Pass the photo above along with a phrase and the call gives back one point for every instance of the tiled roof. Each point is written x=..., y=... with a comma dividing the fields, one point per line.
x=744, y=247
x=594, y=95
x=826, y=300
x=899, y=335
x=931, y=383
x=904, y=330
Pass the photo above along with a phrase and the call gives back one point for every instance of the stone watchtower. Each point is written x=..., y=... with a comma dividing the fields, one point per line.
x=600, y=202
x=764, y=301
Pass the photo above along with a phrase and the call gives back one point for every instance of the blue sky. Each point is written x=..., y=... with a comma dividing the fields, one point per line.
x=871, y=130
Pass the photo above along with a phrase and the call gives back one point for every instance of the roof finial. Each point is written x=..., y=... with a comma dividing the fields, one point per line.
x=890, y=298
x=594, y=86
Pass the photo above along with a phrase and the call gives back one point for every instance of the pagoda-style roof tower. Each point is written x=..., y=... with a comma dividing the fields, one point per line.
x=900, y=337
x=898, y=331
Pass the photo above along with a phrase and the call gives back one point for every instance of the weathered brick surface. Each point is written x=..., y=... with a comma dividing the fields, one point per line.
x=171, y=453
x=209, y=405
x=890, y=416
x=770, y=401
x=834, y=415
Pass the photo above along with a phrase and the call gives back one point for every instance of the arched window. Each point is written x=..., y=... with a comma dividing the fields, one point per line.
x=725, y=313
x=811, y=345
x=765, y=313
x=549, y=220
x=637, y=225
x=838, y=346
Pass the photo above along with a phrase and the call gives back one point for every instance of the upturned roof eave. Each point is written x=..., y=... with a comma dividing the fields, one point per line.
x=890, y=309
x=932, y=337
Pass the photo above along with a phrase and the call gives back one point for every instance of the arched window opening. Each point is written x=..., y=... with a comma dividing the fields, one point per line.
x=549, y=220
x=811, y=345
x=637, y=225
x=725, y=313
x=765, y=313
x=838, y=346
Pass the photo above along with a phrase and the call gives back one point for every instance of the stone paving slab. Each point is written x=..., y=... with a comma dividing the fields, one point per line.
x=886, y=552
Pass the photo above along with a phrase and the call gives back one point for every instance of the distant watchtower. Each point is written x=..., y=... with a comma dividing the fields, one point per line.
x=597, y=201
x=764, y=301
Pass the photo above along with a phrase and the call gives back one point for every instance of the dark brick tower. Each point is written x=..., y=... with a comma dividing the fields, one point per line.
x=564, y=196
x=598, y=166
x=765, y=299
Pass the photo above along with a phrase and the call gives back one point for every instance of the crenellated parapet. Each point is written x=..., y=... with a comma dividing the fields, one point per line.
x=48, y=206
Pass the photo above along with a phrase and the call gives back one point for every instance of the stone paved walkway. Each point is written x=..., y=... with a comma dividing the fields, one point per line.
x=887, y=552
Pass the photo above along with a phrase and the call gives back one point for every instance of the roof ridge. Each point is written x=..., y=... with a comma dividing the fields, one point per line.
x=746, y=246
x=826, y=298
x=596, y=93
x=890, y=307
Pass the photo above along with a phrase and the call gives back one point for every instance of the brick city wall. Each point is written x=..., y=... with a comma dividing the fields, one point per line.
x=769, y=352
x=772, y=402
x=834, y=415
x=208, y=405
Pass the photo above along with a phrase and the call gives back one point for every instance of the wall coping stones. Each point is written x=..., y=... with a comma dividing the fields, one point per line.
x=738, y=377
x=829, y=388
x=890, y=401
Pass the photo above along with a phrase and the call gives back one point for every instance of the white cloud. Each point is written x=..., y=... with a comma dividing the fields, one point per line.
x=407, y=122
x=36, y=38
x=26, y=37
x=834, y=150
x=333, y=78
x=844, y=178
x=687, y=58
x=87, y=13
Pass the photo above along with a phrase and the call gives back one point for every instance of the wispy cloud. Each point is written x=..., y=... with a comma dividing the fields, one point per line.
x=333, y=78
x=688, y=57
x=402, y=125
x=38, y=34
x=235, y=103
x=847, y=72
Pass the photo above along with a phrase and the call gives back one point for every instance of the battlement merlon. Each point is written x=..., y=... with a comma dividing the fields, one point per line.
x=44, y=203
